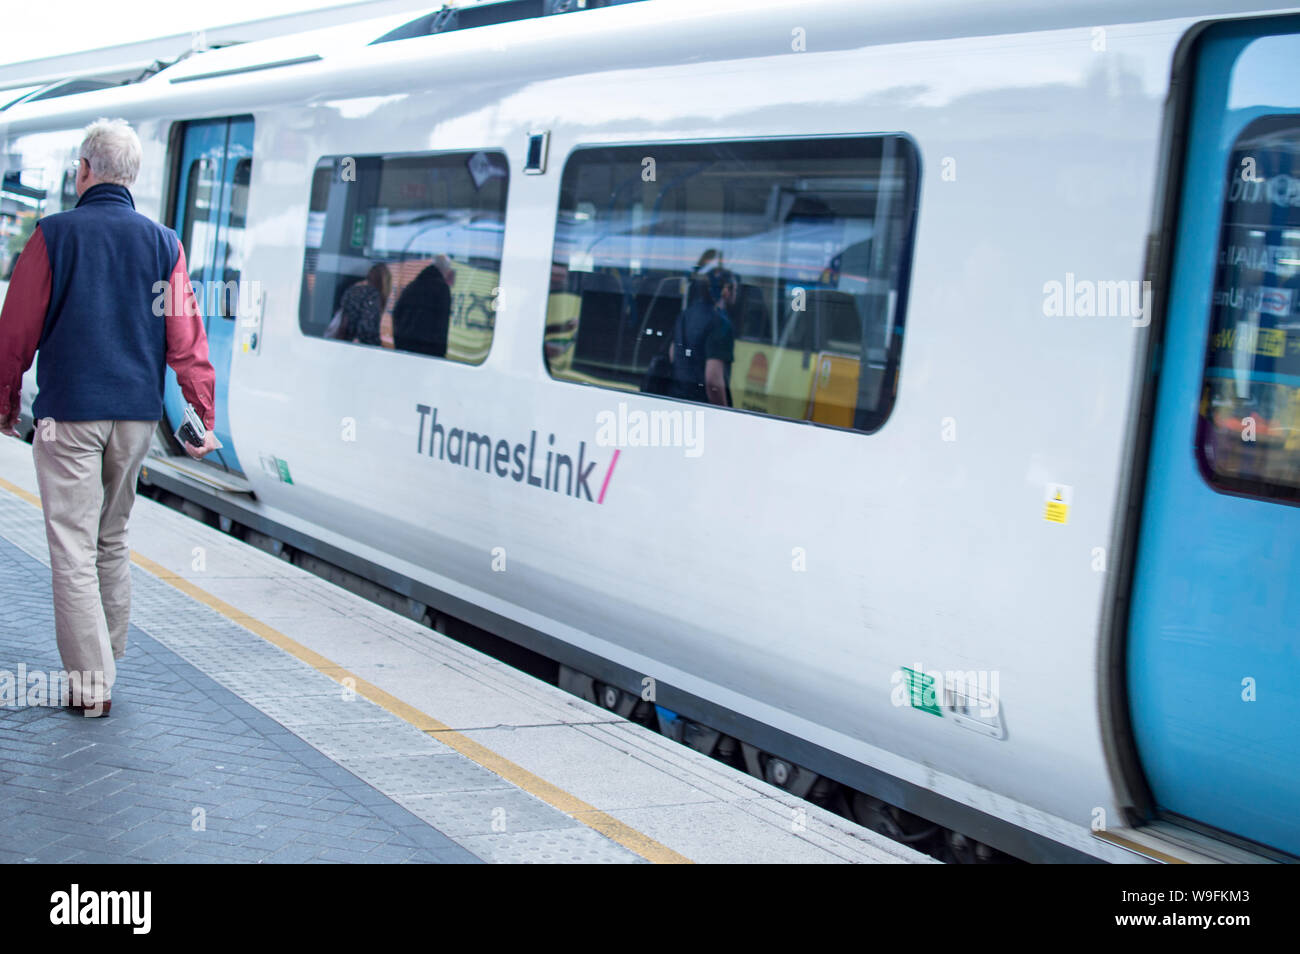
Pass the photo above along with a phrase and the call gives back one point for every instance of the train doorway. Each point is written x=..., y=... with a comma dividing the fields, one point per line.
x=213, y=170
x=1213, y=664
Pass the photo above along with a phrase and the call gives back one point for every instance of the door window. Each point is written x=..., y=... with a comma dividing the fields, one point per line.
x=1250, y=408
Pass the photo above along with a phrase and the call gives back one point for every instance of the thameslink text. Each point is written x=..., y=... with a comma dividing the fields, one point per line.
x=521, y=462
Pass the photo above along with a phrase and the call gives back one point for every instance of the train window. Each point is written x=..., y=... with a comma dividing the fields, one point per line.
x=1249, y=438
x=404, y=252
x=775, y=269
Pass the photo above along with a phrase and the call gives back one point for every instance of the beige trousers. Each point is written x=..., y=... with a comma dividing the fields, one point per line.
x=87, y=472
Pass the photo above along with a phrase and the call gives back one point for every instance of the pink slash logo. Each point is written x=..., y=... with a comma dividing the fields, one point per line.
x=608, y=474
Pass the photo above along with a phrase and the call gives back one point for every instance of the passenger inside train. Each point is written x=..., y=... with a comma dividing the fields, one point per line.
x=703, y=345
x=362, y=307
x=434, y=222
x=422, y=315
x=812, y=331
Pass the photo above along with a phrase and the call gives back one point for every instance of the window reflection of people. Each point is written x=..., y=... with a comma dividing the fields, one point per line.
x=422, y=316
x=703, y=340
x=362, y=306
x=697, y=287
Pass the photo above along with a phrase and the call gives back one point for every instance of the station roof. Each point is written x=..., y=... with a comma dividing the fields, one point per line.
x=264, y=44
x=129, y=62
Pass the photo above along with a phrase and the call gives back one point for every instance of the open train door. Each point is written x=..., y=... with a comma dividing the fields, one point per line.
x=214, y=166
x=1213, y=664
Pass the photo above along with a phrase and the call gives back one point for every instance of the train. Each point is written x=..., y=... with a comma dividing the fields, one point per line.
x=996, y=533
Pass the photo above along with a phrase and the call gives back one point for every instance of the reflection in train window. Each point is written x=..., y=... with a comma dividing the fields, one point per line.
x=1250, y=410
x=404, y=252
x=778, y=265
x=25, y=197
x=22, y=203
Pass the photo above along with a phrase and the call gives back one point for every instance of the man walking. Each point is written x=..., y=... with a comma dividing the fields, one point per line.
x=102, y=291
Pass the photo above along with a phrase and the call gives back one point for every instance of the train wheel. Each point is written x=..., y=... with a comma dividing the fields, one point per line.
x=892, y=821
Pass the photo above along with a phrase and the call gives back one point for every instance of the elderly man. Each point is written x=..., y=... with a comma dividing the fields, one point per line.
x=86, y=292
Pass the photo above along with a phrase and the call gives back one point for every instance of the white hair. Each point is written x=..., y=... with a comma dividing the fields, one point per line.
x=113, y=150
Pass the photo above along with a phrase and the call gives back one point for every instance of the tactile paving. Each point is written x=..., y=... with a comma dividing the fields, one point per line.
x=484, y=813
x=571, y=846
x=258, y=684
x=371, y=739
x=424, y=774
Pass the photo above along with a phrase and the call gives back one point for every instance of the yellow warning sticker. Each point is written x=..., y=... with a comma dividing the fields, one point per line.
x=1057, y=509
x=1271, y=342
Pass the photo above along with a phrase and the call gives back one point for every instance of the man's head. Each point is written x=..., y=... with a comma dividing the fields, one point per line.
x=110, y=152
x=723, y=286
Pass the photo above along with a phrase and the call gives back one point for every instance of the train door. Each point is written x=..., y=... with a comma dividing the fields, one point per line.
x=1214, y=631
x=213, y=173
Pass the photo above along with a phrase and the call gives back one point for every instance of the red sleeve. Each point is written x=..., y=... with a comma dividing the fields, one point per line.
x=23, y=319
x=187, y=344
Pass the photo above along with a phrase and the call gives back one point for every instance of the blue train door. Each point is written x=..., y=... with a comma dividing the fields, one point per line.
x=216, y=163
x=1214, y=631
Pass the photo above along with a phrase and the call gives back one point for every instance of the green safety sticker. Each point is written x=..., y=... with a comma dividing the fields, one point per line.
x=276, y=468
x=358, y=230
x=921, y=689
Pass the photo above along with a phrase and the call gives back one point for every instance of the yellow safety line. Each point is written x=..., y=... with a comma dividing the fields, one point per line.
x=17, y=491
x=572, y=806
x=1153, y=853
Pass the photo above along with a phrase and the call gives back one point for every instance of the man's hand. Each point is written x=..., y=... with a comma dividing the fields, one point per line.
x=209, y=445
x=9, y=421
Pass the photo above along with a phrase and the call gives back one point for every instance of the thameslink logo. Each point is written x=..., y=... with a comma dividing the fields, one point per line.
x=102, y=907
x=560, y=473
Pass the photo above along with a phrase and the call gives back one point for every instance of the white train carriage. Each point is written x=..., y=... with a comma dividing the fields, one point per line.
x=943, y=548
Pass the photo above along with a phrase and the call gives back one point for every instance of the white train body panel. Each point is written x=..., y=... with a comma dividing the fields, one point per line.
x=920, y=550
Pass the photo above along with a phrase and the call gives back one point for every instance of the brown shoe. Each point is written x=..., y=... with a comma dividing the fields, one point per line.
x=93, y=712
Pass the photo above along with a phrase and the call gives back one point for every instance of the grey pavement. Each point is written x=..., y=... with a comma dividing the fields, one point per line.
x=182, y=770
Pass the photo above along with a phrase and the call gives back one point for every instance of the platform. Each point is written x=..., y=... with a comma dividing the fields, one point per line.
x=263, y=714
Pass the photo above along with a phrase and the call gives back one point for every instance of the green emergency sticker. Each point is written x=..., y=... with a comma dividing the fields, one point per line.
x=922, y=691
x=358, y=230
x=283, y=468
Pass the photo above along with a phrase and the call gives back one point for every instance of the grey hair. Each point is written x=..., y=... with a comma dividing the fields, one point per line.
x=113, y=150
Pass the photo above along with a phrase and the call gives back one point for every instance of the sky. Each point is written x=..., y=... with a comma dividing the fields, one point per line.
x=34, y=29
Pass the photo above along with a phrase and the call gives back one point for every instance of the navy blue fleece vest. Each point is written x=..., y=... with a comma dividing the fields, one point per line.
x=103, y=351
